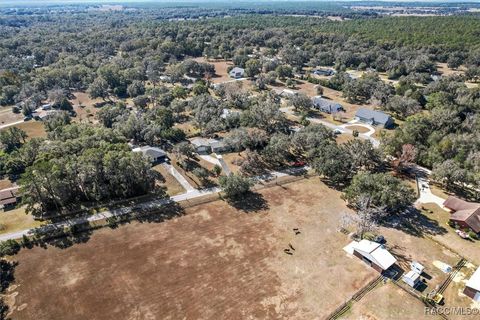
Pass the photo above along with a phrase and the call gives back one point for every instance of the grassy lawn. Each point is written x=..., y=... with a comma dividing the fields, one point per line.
x=171, y=184
x=16, y=220
x=360, y=129
x=5, y=183
x=34, y=129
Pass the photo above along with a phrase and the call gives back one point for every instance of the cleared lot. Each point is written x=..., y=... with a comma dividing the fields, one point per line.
x=213, y=261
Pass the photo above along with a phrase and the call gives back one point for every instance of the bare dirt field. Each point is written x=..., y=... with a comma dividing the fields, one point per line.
x=7, y=116
x=212, y=262
x=5, y=183
x=221, y=73
x=34, y=129
x=387, y=302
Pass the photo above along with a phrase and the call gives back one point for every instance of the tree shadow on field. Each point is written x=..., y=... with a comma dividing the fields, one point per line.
x=62, y=237
x=413, y=222
x=250, y=202
x=167, y=212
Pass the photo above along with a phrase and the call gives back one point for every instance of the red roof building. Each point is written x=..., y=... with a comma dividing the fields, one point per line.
x=465, y=214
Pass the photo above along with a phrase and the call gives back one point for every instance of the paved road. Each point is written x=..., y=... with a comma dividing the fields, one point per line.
x=145, y=206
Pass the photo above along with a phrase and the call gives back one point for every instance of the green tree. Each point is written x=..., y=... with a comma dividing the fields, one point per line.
x=382, y=191
x=235, y=186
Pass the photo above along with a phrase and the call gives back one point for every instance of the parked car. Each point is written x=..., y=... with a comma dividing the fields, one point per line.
x=380, y=239
x=298, y=163
x=27, y=118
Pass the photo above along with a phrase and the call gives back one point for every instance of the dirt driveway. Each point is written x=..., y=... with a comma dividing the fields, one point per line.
x=212, y=262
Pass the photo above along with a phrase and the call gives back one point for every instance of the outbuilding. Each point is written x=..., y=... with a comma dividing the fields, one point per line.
x=472, y=288
x=411, y=278
x=372, y=253
x=8, y=198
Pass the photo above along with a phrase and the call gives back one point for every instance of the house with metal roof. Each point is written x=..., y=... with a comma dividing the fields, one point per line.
x=372, y=253
x=374, y=117
x=326, y=105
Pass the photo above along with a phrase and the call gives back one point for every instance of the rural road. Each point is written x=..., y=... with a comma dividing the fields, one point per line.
x=3, y=126
x=148, y=206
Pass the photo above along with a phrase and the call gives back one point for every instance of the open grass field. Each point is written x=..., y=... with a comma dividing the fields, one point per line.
x=212, y=262
x=173, y=187
x=34, y=129
x=16, y=220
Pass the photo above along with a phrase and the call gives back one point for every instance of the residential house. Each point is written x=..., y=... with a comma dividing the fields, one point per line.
x=207, y=146
x=228, y=112
x=374, y=117
x=325, y=105
x=155, y=154
x=323, y=72
x=472, y=287
x=8, y=198
x=372, y=253
x=465, y=214
x=237, y=73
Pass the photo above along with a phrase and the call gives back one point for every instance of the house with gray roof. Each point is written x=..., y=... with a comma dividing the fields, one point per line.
x=207, y=146
x=237, y=73
x=325, y=105
x=374, y=117
x=155, y=154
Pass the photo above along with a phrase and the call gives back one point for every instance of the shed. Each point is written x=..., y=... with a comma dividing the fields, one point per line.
x=374, y=117
x=8, y=198
x=472, y=287
x=325, y=105
x=417, y=267
x=411, y=278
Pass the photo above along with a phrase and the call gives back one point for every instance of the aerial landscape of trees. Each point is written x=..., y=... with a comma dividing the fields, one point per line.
x=125, y=55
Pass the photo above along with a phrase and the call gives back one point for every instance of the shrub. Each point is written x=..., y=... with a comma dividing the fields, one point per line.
x=9, y=248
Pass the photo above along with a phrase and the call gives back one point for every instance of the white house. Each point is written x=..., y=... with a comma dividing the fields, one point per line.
x=237, y=73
